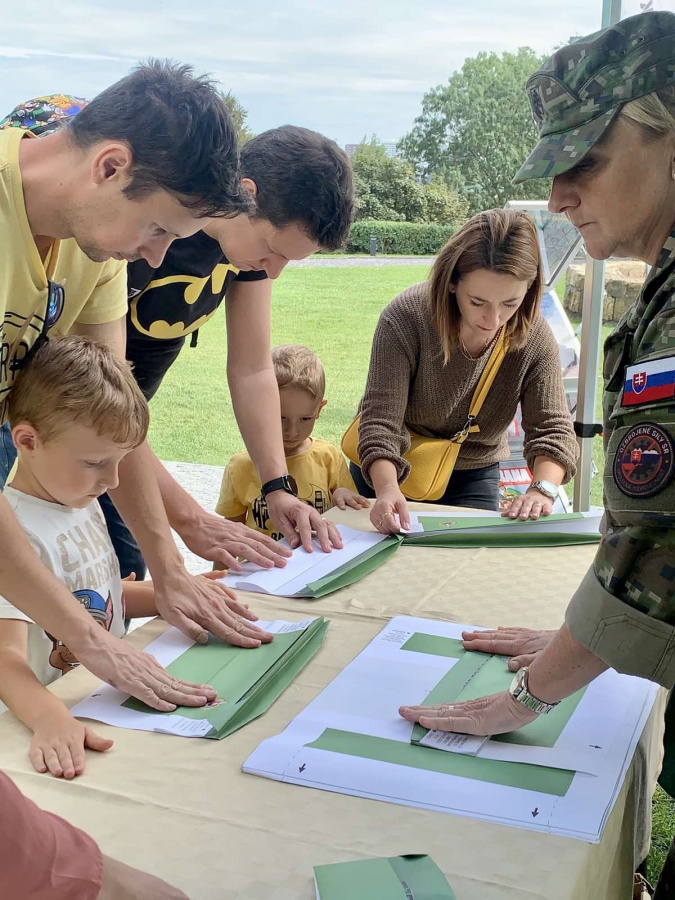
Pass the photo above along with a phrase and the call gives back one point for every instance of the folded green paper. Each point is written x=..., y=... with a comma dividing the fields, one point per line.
x=247, y=681
x=448, y=530
x=410, y=877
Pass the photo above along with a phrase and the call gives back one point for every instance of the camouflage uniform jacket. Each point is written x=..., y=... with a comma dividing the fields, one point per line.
x=624, y=610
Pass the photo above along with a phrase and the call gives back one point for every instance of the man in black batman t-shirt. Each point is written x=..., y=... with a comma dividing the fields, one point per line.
x=302, y=200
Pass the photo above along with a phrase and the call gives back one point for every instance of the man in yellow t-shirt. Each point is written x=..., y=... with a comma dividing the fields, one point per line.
x=144, y=163
x=317, y=470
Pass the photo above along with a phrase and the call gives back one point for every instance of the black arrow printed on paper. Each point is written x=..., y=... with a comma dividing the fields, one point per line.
x=302, y=768
x=535, y=812
x=595, y=746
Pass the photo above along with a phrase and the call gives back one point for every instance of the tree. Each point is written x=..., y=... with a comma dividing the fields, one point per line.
x=476, y=131
x=387, y=188
x=445, y=206
x=239, y=117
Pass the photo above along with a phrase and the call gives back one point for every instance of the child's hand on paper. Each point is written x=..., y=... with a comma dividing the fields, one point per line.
x=59, y=742
x=343, y=497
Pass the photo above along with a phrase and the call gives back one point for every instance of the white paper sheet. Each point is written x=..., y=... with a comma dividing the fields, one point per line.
x=364, y=699
x=453, y=743
x=303, y=567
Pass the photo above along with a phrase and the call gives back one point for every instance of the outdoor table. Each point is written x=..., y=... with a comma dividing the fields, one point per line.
x=183, y=809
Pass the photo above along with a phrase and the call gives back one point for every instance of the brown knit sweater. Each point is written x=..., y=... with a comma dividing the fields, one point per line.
x=409, y=387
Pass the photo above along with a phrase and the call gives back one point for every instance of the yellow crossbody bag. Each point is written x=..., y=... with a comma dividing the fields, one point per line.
x=432, y=460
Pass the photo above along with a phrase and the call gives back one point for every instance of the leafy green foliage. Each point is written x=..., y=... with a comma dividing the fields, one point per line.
x=475, y=131
x=239, y=117
x=398, y=237
x=388, y=189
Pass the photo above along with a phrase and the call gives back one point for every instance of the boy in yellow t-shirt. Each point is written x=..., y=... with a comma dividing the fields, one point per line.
x=318, y=467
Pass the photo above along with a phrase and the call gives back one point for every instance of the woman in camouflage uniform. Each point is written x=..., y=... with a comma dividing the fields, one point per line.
x=605, y=107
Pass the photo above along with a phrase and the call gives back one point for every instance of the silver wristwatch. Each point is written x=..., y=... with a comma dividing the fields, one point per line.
x=547, y=488
x=520, y=694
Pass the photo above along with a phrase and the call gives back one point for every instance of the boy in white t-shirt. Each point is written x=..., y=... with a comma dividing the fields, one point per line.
x=75, y=412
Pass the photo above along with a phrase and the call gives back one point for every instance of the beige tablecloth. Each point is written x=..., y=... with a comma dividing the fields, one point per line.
x=183, y=809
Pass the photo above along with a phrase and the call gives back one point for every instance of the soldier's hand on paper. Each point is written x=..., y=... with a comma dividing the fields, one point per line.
x=221, y=541
x=390, y=503
x=343, y=497
x=496, y=714
x=297, y=520
x=529, y=505
x=522, y=645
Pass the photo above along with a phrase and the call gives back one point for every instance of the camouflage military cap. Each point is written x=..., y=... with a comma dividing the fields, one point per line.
x=578, y=91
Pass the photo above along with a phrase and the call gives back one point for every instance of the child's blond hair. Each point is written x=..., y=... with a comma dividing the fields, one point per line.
x=298, y=366
x=72, y=380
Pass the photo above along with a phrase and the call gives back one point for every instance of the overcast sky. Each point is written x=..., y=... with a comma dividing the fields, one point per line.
x=346, y=68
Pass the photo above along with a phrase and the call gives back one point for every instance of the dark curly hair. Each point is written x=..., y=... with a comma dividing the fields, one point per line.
x=180, y=132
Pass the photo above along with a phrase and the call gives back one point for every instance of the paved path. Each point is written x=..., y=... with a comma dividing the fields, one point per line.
x=328, y=262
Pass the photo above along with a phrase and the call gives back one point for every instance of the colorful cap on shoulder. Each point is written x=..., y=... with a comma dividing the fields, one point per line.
x=578, y=91
x=43, y=115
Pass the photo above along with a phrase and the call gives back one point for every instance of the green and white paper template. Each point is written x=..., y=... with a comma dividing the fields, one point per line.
x=577, y=734
x=485, y=529
x=351, y=739
x=248, y=681
x=410, y=877
x=313, y=575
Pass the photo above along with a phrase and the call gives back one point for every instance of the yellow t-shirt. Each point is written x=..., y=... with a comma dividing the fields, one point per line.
x=93, y=293
x=318, y=472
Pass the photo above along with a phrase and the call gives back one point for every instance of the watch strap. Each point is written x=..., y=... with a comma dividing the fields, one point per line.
x=283, y=483
x=544, y=487
x=520, y=693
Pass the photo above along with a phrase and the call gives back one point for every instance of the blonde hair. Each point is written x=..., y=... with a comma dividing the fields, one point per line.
x=499, y=240
x=72, y=380
x=654, y=113
x=298, y=366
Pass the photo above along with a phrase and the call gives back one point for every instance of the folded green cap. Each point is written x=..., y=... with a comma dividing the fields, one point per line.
x=578, y=91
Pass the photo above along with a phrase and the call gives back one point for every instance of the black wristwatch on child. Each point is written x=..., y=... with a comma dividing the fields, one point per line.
x=284, y=483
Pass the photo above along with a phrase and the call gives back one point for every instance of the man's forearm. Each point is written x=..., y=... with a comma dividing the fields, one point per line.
x=139, y=502
x=29, y=586
x=181, y=508
x=255, y=400
x=562, y=668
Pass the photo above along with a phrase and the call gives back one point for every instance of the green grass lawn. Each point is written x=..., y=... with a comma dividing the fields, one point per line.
x=333, y=311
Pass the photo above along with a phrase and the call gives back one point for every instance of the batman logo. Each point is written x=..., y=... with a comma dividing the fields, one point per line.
x=173, y=306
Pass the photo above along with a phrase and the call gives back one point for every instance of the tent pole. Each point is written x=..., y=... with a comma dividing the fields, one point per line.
x=591, y=334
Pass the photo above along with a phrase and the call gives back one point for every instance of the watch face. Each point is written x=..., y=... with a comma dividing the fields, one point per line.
x=293, y=484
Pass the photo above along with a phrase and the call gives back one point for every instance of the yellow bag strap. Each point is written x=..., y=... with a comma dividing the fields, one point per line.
x=483, y=387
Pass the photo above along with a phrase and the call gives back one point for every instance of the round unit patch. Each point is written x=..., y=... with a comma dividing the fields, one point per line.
x=644, y=461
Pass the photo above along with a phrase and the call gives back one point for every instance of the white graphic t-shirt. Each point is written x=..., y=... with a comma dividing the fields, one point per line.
x=75, y=545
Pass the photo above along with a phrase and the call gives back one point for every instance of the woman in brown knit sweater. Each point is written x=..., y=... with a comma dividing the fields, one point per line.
x=429, y=350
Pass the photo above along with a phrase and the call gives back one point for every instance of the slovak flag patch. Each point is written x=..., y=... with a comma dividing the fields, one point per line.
x=649, y=382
